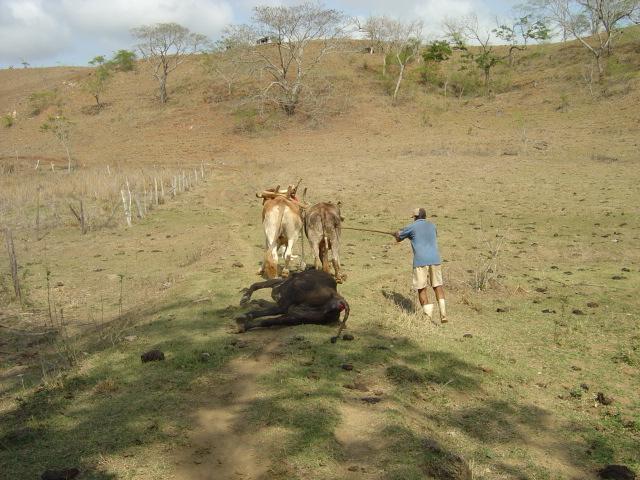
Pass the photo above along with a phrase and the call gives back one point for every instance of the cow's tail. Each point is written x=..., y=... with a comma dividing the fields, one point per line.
x=343, y=324
x=325, y=260
x=271, y=267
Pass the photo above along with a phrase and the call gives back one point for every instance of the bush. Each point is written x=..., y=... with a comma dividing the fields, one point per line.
x=40, y=101
x=123, y=61
x=7, y=120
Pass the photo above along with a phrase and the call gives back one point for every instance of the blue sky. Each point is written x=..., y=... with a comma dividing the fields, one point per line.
x=71, y=32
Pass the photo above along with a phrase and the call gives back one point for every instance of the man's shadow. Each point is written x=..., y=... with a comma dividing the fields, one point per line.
x=402, y=302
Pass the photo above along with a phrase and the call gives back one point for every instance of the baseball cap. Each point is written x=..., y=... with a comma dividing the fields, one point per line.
x=418, y=212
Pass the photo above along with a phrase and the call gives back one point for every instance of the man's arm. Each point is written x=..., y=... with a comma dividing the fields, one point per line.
x=402, y=234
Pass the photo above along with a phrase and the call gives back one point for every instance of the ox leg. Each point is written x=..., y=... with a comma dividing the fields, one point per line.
x=270, y=264
x=317, y=263
x=299, y=315
x=324, y=256
x=247, y=292
x=244, y=321
x=336, y=263
x=287, y=257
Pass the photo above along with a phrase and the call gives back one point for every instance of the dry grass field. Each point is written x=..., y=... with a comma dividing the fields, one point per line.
x=535, y=195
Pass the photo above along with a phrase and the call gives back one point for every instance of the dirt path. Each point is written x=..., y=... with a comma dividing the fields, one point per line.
x=221, y=445
x=357, y=434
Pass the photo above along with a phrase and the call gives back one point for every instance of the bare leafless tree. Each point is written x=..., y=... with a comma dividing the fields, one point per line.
x=289, y=43
x=404, y=41
x=376, y=31
x=165, y=46
x=230, y=60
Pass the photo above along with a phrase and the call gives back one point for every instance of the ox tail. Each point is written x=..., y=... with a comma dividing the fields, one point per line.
x=343, y=324
x=271, y=262
x=325, y=259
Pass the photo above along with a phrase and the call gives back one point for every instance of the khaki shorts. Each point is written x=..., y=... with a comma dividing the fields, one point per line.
x=429, y=275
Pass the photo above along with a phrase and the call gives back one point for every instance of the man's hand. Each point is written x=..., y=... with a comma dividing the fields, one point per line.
x=397, y=236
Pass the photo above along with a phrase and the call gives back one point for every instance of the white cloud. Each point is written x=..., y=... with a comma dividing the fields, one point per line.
x=29, y=31
x=117, y=17
x=48, y=29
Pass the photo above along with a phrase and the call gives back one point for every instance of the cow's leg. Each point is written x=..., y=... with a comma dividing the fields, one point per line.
x=287, y=256
x=244, y=321
x=262, y=267
x=247, y=292
x=270, y=264
x=324, y=255
x=298, y=315
x=315, y=246
x=335, y=258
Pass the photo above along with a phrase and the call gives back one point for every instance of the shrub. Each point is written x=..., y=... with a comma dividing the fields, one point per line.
x=123, y=61
x=7, y=120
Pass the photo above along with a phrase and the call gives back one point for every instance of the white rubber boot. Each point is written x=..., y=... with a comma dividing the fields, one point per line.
x=443, y=311
x=428, y=310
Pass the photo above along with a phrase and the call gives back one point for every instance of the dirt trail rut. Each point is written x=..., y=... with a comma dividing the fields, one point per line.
x=221, y=445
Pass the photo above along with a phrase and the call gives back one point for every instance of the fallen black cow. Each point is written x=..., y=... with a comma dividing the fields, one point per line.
x=304, y=297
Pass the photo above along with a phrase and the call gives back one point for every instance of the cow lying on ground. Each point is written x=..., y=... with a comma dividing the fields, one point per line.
x=322, y=226
x=282, y=222
x=309, y=296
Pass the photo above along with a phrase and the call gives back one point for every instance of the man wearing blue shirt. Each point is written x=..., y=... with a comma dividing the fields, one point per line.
x=426, y=261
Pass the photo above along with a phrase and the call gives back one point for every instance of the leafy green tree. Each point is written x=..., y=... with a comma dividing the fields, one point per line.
x=469, y=29
x=97, y=83
x=520, y=32
x=123, y=60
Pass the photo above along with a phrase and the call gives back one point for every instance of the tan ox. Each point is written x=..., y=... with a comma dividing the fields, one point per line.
x=322, y=226
x=282, y=222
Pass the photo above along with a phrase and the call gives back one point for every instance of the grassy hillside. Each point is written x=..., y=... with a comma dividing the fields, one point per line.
x=534, y=192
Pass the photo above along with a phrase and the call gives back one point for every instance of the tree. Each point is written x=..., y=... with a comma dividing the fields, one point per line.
x=437, y=52
x=60, y=126
x=376, y=30
x=164, y=46
x=229, y=59
x=469, y=29
x=286, y=32
x=123, y=60
x=403, y=44
x=594, y=23
x=518, y=33
x=97, y=83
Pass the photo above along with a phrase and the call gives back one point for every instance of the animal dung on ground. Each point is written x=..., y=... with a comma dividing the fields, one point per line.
x=467, y=335
x=577, y=311
x=348, y=337
x=617, y=472
x=347, y=366
x=501, y=310
x=371, y=400
x=65, y=474
x=152, y=356
x=593, y=305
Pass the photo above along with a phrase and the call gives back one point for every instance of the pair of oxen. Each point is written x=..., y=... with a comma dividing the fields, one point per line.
x=308, y=296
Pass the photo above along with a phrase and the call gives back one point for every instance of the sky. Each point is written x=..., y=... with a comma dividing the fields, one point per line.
x=47, y=33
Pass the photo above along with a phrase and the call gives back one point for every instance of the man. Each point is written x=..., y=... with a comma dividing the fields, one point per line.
x=426, y=261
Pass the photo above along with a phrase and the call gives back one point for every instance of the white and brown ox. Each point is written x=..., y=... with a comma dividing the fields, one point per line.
x=322, y=226
x=282, y=222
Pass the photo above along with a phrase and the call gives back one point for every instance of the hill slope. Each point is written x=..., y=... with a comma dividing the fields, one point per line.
x=534, y=193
